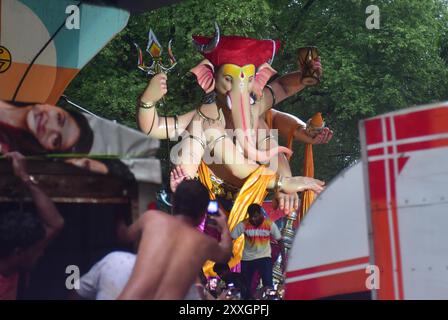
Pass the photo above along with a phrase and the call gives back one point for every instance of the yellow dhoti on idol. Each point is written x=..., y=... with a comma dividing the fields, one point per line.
x=253, y=191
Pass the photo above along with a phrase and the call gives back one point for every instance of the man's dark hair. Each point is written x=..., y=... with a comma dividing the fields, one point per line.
x=19, y=230
x=253, y=209
x=190, y=199
x=221, y=268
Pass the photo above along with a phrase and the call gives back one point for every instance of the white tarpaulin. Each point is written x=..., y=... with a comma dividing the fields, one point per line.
x=134, y=148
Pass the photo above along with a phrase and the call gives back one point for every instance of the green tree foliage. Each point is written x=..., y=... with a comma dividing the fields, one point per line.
x=366, y=72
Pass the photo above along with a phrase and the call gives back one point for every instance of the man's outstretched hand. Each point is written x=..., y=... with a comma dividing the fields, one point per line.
x=177, y=175
x=221, y=220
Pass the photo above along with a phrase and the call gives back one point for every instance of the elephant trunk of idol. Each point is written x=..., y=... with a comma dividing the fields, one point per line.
x=245, y=127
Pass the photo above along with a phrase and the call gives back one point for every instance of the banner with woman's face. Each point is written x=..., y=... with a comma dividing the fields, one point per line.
x=34, y=129
x=76, y=138
x=43, y=128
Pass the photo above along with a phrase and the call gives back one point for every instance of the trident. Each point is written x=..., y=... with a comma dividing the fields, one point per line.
x=155, y=51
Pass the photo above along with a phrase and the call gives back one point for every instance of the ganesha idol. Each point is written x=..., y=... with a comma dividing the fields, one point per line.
x=232, y=127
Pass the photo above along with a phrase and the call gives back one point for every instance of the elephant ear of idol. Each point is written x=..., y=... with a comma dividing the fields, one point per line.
x=264, y=73
x=204, y=73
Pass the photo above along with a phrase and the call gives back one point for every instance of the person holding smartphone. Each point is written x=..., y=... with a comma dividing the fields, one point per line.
x=172, y=249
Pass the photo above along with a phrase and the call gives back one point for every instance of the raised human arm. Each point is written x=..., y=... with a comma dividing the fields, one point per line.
x=223, y=251
x=177, y=175
x=51, y=219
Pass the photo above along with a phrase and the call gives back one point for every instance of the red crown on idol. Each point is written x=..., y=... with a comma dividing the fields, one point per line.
x=236, y=50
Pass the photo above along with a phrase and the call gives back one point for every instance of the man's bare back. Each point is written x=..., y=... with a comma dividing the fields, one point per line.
x=170, y=256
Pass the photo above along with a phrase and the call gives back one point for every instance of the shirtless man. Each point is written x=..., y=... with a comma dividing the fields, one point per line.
x=171, y=250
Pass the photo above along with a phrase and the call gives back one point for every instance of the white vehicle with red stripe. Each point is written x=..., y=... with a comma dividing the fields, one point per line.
x=380, y=230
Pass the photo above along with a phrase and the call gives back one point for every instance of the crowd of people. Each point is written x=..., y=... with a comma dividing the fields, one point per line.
x=173, y=247
x=170, y=255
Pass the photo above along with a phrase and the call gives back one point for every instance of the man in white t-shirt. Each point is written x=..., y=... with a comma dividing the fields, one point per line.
x=107, y=278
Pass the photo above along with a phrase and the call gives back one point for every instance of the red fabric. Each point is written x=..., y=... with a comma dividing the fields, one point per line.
x=274, y=215
x=8, y=287
x=240, y=51
x=204, y=74
x=152, y=206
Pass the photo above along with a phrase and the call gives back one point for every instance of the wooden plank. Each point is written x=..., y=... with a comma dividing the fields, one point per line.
x=70, y=200
x=62, y=181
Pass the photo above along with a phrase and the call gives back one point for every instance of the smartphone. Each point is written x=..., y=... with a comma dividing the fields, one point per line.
x=213, y=209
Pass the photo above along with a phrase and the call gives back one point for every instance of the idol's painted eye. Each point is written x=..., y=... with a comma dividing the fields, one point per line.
x=251, y=78
x=252, y=98
x=228, y=78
